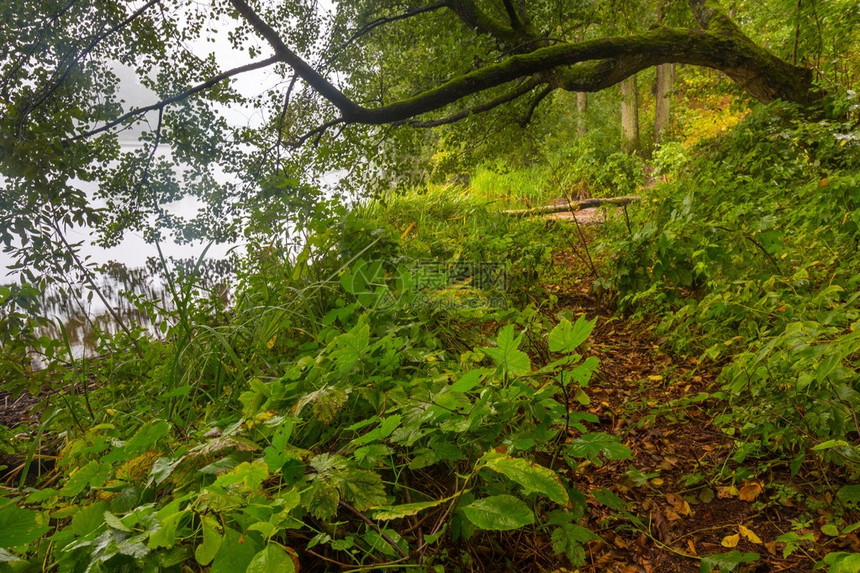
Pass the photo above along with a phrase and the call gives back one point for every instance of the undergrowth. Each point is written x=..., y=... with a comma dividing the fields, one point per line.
x=750, y=256
x=364, y=404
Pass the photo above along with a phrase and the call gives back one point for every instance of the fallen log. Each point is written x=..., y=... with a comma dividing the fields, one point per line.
x=571, y=206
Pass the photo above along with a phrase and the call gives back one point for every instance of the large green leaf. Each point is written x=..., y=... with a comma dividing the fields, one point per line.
x=94, y=474
x=565, y=337
x=499, y=513
x=531, y=476
x=272, y=559
x=726, y=562
x=591, y=445
x=18, y=526
x=206, y=551
x=235, y=554
x=506, y=355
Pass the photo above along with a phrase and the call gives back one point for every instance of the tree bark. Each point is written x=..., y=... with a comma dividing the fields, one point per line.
x=630, y=115
x=665, y=81
x=581, y=109
x=575, y=205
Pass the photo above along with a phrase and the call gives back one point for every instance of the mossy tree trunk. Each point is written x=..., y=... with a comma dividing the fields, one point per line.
x=630, y=115
x=665, y=82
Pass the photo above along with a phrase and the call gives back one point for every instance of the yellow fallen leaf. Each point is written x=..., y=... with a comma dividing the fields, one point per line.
x=730, y=541
x=657, y=481
x=727, y=492
x=750, y=491
x=271, y=342
x=691, y=547
x=749, y=534
x=655, y=377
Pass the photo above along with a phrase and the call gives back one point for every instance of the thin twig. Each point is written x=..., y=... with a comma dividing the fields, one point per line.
x=375, y=527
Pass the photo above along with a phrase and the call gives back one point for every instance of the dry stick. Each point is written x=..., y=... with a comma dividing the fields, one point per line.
x=91, y=280
x=381, y=533
x=627, y=219
x=582, y=236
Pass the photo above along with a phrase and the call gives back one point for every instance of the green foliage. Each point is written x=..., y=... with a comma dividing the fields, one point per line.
x=751, y=256
x=335, y=402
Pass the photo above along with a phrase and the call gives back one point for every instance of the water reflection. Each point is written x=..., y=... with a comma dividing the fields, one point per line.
x=140, y=298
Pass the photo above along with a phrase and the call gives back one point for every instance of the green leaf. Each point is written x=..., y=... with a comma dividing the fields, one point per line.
x=362, y=488
x=849, y=494
x=94, y=474
x=206, y=551
x=114, y=522
x=406, y=509
x=272, y=559
x=250, y=475
x=565, y=337
x=384, y=430
x=235, y=553
x=726, y=562
x=591, y=445
x=469, y=380
x=829, y=444
x=531, y=476
x=505, y=353
x=568, y=539
x=89, y=518
x=842, y=562
x=499, y=513
x=18, y=526
x=165, y=535
x=321, y=499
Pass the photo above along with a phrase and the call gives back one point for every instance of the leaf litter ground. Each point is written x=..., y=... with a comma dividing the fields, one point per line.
x=659, y=406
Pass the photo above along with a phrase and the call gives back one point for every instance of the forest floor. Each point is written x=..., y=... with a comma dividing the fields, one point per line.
x=678, y=509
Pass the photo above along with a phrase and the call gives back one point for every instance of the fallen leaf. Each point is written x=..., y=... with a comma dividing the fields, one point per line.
x=678, y=503
x=727, y=492
x=691, y=547
x=655, y=377
x=730, y=541
x=749, y=534
x=657, y=481
x=771, y=547
x=750, y=492
x=706, y=495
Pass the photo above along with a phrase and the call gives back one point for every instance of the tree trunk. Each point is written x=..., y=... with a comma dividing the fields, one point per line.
x=665, y=81
x=581, y=108
x=630, y=115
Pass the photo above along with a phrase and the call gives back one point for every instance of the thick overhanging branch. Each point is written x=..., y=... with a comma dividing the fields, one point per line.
x=607, y=62
x=517, y=92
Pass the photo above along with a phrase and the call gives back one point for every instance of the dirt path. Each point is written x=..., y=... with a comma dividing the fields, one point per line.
x=660, y=407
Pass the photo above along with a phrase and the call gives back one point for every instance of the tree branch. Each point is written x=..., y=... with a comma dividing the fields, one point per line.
x=49, y=90
x=534, y=105
x=178, y=97
x=381, y=21
x=487, y=106
x=313, y=78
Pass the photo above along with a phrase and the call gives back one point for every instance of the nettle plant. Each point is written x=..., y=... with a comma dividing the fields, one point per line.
x=375, y=443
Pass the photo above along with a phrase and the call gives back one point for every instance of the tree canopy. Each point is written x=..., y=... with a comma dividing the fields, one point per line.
x=362, y=63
